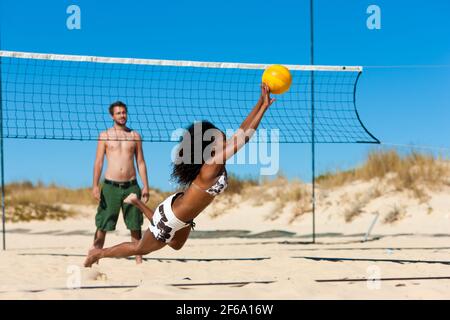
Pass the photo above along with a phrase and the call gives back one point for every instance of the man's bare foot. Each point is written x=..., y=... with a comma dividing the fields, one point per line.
x=138, y=259
x=92, y=257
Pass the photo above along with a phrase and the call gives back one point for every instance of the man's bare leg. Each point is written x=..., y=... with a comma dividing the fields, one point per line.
x=135, y=238
x=99, y=239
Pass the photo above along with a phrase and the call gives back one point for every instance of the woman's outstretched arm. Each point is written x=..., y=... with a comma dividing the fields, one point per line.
x=245, y=124
x=247, y=128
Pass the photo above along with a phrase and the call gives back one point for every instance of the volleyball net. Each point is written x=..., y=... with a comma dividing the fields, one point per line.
x=51, y=96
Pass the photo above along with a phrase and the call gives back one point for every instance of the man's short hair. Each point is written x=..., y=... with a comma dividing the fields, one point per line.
x=117, y=104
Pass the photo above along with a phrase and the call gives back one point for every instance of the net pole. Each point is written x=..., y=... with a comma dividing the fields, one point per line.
x=313, y=147
x=2, y=167
x=2, y=171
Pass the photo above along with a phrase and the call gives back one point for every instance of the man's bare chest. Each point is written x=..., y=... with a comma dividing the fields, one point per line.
x=127, y=147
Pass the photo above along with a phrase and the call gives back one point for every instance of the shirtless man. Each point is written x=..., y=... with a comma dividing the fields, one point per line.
x=120, y=145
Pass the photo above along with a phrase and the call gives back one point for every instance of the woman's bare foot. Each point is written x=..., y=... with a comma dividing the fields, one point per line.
x=93, y=256
x=94, y=248
x=138, y=259
x=131, y=199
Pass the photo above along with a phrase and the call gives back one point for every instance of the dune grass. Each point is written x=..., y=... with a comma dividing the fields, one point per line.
x=237, y=184
x=23, y=192
x=414, y=172
x=25, y=201
x=394, y=215
x=296, y=193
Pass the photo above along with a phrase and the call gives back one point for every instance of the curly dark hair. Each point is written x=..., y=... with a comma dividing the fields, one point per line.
x=184, y=173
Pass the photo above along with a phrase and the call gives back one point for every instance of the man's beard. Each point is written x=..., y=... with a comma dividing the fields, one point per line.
x=121, y=124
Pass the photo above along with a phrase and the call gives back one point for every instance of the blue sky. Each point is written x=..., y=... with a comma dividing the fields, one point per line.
x=398, y=105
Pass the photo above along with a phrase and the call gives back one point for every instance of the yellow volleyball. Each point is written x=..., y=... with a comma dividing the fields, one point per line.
x=278, y=78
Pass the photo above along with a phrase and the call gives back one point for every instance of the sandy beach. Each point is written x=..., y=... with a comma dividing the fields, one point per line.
x=242, y=253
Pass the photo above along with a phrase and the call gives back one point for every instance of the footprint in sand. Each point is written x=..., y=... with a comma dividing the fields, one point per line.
x=93, y=274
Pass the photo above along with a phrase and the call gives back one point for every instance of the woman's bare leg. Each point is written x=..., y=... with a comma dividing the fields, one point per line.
x=136, y=236
x=179, y=239
x=147, y=244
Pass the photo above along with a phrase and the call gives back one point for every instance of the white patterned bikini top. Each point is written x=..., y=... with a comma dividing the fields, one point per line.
x=218, y=187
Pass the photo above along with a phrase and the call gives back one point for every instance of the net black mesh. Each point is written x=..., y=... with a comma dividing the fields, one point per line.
x=53, y=99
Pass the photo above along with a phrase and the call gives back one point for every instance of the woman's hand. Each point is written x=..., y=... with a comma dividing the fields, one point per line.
x=131, y=199
x=265, y=96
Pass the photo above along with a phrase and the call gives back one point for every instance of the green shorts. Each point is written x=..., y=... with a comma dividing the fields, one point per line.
x=111, y=201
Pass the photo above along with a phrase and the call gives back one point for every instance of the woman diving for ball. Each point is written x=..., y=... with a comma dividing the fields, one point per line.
x=203, y=176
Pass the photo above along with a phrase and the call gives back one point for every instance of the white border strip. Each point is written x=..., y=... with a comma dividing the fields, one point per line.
x=173, y=63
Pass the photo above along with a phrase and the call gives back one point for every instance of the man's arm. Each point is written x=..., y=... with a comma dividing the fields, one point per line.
x=142, y=168
x=98, y=165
